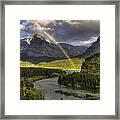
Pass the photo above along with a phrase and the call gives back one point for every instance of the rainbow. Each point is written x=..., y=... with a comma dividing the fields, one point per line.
x=55, y=41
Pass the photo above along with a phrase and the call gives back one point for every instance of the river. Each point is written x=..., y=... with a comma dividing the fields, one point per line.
x=48, y=88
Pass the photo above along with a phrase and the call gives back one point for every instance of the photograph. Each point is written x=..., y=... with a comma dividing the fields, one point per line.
x=59, y=59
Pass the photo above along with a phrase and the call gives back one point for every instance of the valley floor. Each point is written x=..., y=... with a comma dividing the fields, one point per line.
x=66, y=64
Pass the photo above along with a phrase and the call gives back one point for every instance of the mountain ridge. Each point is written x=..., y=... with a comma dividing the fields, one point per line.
x=39, y=49
x=93, y=49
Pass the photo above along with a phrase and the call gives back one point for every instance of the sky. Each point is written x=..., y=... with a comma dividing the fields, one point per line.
x=74, y=32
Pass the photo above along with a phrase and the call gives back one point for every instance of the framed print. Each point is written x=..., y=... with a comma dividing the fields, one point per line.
x=60, y=60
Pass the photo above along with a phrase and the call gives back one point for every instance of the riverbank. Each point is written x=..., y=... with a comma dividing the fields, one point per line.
x=48, y=88
x=80, y=94
x=53, y=91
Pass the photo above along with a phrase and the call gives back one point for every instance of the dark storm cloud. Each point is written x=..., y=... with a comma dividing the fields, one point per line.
x=76, y=30
x=86, y=25
x=70, y=31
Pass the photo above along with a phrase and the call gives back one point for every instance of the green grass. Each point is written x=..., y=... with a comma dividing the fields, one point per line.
x=66, y=64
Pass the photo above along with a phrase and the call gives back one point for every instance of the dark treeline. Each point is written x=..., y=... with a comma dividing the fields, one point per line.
x=32, y=72
x=88, y=78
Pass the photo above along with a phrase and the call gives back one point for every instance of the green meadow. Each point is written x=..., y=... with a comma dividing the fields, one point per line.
x=66, y=64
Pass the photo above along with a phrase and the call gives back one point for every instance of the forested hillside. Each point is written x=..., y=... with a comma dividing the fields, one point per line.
x=88, y=78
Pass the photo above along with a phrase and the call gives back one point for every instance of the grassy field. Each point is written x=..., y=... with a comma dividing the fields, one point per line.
x=66, y=64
